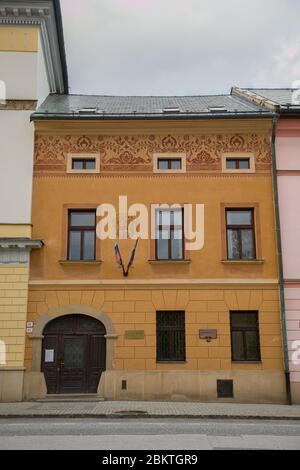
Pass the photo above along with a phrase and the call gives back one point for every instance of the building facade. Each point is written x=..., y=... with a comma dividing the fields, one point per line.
x=285, y=102
x=31, y=67
x=185, y=323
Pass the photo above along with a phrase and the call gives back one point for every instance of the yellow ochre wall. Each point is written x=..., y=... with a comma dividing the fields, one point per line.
x=207, y=288
x=134, y=309
x=18, y=38
x=13, y=314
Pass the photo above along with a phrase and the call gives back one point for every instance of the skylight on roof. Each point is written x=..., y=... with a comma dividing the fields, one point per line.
x=217, y=109
x=87, y=110
x=172, y=109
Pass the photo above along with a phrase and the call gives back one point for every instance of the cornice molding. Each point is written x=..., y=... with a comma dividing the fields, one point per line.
x=42, y=14
x=21, y=243
x=18, y=105
x=149, y=283
x=184, y=127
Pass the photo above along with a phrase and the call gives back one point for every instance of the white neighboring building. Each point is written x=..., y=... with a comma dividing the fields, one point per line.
x=32, y=65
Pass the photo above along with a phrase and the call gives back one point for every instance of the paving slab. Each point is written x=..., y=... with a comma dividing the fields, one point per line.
x=125, y=409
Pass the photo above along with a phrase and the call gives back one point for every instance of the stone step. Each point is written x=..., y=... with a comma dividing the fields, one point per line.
x=67, y=398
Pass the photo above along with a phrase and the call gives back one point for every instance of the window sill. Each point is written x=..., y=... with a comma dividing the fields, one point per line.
x=83, y=172
x=80, y=263
x=171, y=362
x=169, y=172
x=247, y=362
x=169, y=261
x=242, y=261
x=239, y=172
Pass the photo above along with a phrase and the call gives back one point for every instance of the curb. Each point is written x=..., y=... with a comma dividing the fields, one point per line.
x=149, y=416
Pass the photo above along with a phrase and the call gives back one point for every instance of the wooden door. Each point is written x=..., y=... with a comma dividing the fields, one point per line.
x=74, y=355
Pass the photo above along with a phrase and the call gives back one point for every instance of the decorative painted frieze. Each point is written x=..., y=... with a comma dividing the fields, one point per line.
x=135, y=153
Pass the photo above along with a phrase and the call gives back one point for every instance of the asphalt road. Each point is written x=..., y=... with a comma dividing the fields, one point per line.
x=147, y=434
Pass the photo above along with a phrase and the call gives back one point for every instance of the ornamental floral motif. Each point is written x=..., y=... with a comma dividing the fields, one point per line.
x=127, y=158
x=135, y=153
x=203, y=157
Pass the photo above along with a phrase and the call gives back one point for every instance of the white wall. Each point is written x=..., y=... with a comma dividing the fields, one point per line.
x=19, y=71
x=16, y=166
x=43, y=88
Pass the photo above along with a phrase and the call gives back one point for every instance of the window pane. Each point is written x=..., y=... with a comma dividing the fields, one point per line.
x=162, y=249
x=248, y=251
x=177, y=353
x=233, y=244
x=89, y=245
x=74, y=246
x=176, y=246
x=170, y=339
x=176, y=164
x=231, y=164
x=177, y=234
x=244, y=319
x=163, y=234
x=177, y=217
x=162, y=164
x=163, y=345
x=165, y=218
x=77, y=164
x=239, y=217
x=83, y=219
x=170, y=319
x=252, y=345
x=244, y=164
x=90, y=164
x=237, y=346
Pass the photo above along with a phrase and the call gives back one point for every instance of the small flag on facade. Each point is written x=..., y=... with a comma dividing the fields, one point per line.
x=132, y=256
x=118, y=255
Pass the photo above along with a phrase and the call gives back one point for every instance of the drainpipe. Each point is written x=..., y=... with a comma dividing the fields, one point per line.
x=280, y=265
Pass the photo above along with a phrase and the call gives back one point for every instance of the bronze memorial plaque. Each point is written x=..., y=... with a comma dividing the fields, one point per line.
x=135, y=334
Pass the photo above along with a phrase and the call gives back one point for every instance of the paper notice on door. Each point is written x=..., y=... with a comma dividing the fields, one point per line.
x=49, y=355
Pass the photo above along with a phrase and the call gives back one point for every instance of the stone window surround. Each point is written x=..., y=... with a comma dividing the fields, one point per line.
x=257, y=230
x=169, y=156
x=36, y=337
x=83, y=156
x=152, y=251
x=238, y=156
x=64, y=233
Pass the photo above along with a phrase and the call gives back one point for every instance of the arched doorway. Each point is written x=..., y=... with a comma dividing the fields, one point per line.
x=73, y=354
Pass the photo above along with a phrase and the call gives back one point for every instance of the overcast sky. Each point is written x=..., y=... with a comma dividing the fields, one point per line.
x=180, y=47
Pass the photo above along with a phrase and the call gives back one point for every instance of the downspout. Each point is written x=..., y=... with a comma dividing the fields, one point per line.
x=280, y=265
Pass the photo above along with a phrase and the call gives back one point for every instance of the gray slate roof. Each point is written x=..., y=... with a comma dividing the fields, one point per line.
x=279, y=96
x=143, y=107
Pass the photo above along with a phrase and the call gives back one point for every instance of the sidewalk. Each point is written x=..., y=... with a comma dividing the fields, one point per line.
x=147, y=410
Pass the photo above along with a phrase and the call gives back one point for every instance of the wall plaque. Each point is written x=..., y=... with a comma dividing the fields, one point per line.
x=135, y=334
x=29, y=327
x=208, y=334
